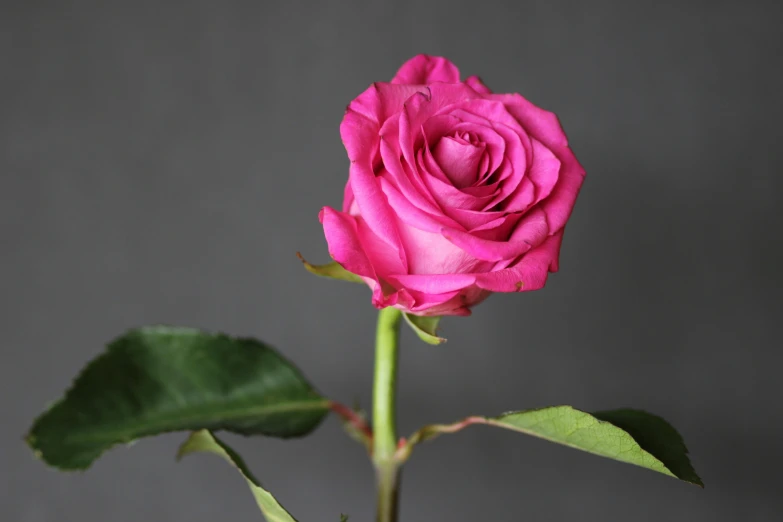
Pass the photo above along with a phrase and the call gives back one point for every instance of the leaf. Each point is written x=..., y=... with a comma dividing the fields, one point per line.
x=333, y=270
x=203, y=441
x=657, y=437
x=631, y=436
x=425, y=327
x=161, y=379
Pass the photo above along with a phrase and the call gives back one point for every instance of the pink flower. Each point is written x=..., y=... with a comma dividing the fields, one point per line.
x=453, y=193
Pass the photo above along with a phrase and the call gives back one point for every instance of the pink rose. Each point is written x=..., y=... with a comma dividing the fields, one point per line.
x=453, y=193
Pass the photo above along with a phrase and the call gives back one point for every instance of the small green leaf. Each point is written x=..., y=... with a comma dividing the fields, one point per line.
x=333, y=270
x=343, y=518
x=161, y=379
x=631, y=436
x=203, y=441
x=425, y=327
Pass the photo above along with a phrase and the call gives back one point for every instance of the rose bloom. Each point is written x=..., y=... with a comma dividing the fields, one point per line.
x=453, y=193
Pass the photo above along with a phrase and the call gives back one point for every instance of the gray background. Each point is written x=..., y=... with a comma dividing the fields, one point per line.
x=163, y=163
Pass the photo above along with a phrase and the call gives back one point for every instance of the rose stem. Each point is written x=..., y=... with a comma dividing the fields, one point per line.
x=383, y=413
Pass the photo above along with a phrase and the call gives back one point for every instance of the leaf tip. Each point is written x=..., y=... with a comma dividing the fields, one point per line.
x=308, y=266
x=31, y=442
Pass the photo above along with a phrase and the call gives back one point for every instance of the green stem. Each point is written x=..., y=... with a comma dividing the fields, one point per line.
x=383, y=413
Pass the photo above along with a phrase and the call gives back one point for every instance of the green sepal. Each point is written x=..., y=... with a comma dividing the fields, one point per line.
x=333, y=270
x=425, y=327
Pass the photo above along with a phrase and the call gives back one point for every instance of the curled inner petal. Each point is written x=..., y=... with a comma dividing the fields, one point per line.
x=460, y=156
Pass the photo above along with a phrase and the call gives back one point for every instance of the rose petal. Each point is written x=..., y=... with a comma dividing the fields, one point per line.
x=530, y=273
x=412, y=214
x=380, y=101
x=459, y=160
x=447, y=196
x=522, y=198
x=410, y=185
x=545, y=127
x=515, y=164
x=494, y=140
x=530, y=232
x=431, y=253
x=473, y=219
x=501, y=228
x=425, y=69
x=421, y=303
x=560, y=203
x=477, y=85
x=539, y=123
x=348, y=199
x=544, y=173
x=433, y=283
x=359, y=130
x=342, y=239
x=457, y=204
x=420, y=107
x=373, y=206
x=349, y=235
x=459, y=304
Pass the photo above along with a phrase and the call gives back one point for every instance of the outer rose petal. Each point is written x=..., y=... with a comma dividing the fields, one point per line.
x=530, y=232
x=380, y=101
x=459, y=304
x=431, y=253
x=545, y=127
x=358, y=250
x=477, y=85
x=359, y=131
x=424, y=69
x=539, y=123
x=421, y=303
x=560, y=203
x=530, y=273
x=342, y=238
x=347, y=198
x=434, y=284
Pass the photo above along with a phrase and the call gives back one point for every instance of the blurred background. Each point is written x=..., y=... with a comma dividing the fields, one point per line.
x=164, y=161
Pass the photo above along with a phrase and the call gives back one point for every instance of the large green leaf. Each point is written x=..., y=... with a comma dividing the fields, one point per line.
x=161, y=379
x=425, y=327
x=205, y=442
x=631, y=436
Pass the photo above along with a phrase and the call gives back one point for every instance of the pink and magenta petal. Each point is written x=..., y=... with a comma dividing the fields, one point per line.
x=424, y=69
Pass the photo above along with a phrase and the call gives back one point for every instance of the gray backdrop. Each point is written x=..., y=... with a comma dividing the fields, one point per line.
x=163, y=163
